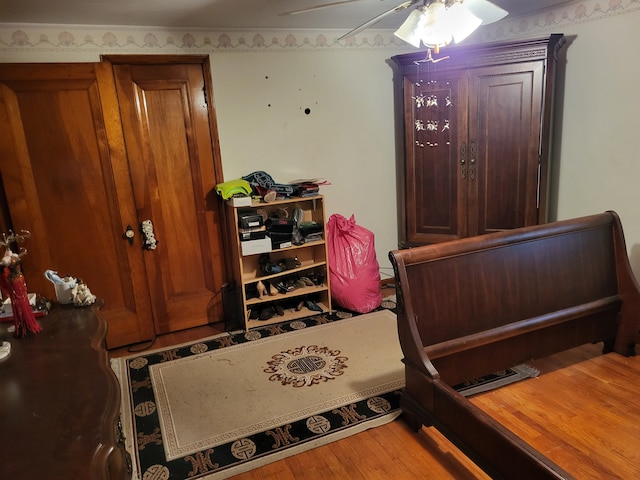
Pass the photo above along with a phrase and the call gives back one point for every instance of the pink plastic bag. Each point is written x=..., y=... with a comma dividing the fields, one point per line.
x=353, y=267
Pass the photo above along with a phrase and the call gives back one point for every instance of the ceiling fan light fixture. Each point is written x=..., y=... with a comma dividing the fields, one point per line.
x=461, y=22
x=411, y=29
x=436, y=31
x=439, y=22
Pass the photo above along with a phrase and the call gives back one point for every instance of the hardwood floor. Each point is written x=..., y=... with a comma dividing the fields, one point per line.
x=169, y=339
x=581, y=412
x=387, y=452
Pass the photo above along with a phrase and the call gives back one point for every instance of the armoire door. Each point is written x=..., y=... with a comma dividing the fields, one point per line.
x=435, y=168
x=66, y=179
x=175, y=166
x=505, y=104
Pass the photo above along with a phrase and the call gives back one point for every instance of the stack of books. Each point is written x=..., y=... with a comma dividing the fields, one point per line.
x=308, y=187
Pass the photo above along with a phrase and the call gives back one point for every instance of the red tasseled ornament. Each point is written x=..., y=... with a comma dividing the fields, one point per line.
x=23, y=317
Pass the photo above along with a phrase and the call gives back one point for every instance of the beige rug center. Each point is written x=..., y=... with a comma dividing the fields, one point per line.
x=225, y=395
x=306, y=366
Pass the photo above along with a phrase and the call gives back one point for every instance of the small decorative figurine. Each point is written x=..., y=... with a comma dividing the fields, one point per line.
x=13, y=284
x=82, y=296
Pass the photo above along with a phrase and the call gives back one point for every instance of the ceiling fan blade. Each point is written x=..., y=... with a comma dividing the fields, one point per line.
x=376, y=19
x=317, y=7
x=485, y=10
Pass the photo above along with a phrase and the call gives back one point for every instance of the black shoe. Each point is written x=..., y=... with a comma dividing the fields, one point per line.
x=267, y=313
x=307, y=281
x=252, y=291
x=289, y=263
x=312, y=306
x=281, y=287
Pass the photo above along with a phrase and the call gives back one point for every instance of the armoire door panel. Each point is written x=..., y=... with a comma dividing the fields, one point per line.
x=504, y=129
x=433, y=161
x=171, y=156
x=65, y=179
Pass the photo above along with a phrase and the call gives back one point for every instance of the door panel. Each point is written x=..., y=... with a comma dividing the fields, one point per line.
x=504, y=128
x=66, y=180
x=436, y=190
x=171, y=154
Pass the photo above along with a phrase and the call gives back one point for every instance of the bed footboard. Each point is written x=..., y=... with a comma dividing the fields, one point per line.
x=478, y=305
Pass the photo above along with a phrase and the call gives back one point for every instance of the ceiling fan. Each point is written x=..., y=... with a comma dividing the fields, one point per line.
x=419, y=25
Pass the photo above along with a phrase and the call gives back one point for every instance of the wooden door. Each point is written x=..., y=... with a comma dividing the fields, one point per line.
x=174, y=158
x=435, y=168
x=505, y=104
x=66, y=179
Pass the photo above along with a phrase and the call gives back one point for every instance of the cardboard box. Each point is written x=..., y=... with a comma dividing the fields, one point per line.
x=240, y=201
x=251, y=247
x=278, y=244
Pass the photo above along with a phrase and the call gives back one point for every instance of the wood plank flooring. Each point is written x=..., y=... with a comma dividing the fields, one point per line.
x=582, y=412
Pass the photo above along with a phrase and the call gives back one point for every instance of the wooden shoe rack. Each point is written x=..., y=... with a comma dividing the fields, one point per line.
x=306, y=263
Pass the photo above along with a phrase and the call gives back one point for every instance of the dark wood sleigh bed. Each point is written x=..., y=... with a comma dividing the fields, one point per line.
x=479, y=305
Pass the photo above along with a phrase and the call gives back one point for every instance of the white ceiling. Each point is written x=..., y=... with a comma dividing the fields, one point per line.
x=227, y=14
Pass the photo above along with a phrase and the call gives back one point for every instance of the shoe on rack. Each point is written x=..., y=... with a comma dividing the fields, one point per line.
x=271, y=289
x=282, y=288
x=267, y=313
x=262, y=290
x=312, y=306
x=267, y=266
x=307, y=281
x=252, y=291
x=289, y=263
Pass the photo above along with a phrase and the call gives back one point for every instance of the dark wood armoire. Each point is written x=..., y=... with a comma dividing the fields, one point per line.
x=475, y=123
x=90, y=151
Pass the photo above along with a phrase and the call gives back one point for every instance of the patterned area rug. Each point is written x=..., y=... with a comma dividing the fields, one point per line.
x=231, y=403
x=228, y=404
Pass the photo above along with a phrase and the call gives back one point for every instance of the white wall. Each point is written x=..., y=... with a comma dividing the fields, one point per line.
x=599, y=153
x=263, y=83
x=347, y=138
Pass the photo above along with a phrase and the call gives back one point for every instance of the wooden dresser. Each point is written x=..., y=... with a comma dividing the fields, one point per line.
x=60, y=401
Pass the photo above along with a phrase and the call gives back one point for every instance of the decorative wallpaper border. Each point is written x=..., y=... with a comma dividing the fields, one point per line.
x=122, y=39
x=553, y=20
